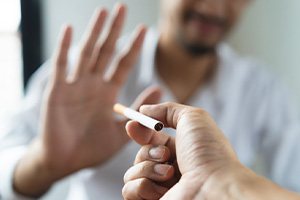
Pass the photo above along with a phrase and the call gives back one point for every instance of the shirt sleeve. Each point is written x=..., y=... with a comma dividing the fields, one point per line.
x=280, y=137
x=8, y=161
x=18, y=131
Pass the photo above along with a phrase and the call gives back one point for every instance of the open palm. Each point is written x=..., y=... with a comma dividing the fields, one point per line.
x=79, y=128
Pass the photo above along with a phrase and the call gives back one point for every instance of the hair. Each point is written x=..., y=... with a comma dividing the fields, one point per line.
x=195, y=49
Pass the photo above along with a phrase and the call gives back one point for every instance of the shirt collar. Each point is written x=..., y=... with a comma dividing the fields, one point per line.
x=147, y=71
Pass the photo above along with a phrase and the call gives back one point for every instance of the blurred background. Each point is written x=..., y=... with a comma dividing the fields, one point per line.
x=268, y=32
x=10, y=55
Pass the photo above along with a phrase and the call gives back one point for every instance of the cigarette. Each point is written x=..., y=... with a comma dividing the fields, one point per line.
x=139, y=117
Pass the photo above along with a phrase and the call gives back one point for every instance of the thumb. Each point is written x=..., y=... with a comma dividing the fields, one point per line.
x=168, y=113
x=150, y=95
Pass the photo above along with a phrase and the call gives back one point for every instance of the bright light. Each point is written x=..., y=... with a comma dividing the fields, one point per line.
x=10, y=57
x=10, y=15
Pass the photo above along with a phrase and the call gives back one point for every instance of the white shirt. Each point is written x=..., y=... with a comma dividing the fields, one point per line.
x=247, y=103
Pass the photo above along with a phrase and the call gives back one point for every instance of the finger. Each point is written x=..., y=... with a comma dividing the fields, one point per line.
x=90, y=38
x=153, y=153
x=150, y=170
x=141, y=189
x=106, y=50
x=148, y=96
x=61, y=55
x=169, y=113
x=119, y=71
x=144, y=136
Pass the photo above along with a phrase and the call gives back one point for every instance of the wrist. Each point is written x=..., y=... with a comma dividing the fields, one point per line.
x=225, y=183
x=232, y=182
x=255, y=187
x=239, y=182
x=32, y=177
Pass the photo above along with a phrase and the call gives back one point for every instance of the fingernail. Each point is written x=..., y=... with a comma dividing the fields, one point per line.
x=142, y=107
x=162, y=169
x=157, y=152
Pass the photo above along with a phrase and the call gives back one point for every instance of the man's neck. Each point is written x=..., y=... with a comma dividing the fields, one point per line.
x=182, y=72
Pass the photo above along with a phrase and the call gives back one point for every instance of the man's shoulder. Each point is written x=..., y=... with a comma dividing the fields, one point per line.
x=250, y=68
x=253, y=82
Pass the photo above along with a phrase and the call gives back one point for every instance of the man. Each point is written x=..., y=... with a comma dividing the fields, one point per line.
x=198, y=163
x=191, y=65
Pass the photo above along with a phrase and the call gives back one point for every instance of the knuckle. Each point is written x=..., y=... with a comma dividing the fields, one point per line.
x=143, y=183
x=145, y=150
x=194, y=111
x=125, y=191
x=85, y=52
x=166, y=103
x=142, y=154
x=201, y=111
x=123, y=61
x=126, y=177
x=145, y=167
x=107, y=49
x=170, y=104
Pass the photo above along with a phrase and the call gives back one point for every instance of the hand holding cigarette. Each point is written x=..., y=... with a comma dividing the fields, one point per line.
x=166, y=167
x=200, y=164
x=139, y=117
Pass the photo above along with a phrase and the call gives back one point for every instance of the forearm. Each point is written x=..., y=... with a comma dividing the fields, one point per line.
x=244, y=184
x=32, y=178
x=261, y=188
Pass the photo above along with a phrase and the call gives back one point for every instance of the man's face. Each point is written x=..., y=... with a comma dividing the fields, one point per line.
x=200, y=25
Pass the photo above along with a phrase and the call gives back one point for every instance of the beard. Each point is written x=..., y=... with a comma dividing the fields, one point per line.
x=195, y=49
x=199, y=48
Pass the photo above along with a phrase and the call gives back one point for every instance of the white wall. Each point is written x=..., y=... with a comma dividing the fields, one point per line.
x=270, y=31
x=78, y=13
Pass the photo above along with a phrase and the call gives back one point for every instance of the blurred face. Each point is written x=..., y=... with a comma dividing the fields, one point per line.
x=199, y=25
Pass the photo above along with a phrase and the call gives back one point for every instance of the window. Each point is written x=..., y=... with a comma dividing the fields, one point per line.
x=10, y=56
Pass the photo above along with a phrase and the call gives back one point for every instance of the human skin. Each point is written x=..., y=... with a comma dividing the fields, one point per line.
x=42, y=158
x=191, y=31
x=77, y=113
x=199, y=163
x=204, y=23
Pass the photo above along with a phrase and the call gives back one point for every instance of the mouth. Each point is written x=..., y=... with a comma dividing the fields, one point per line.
x=205, y=24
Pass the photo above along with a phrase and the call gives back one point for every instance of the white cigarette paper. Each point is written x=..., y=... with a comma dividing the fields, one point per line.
x=139, y=117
